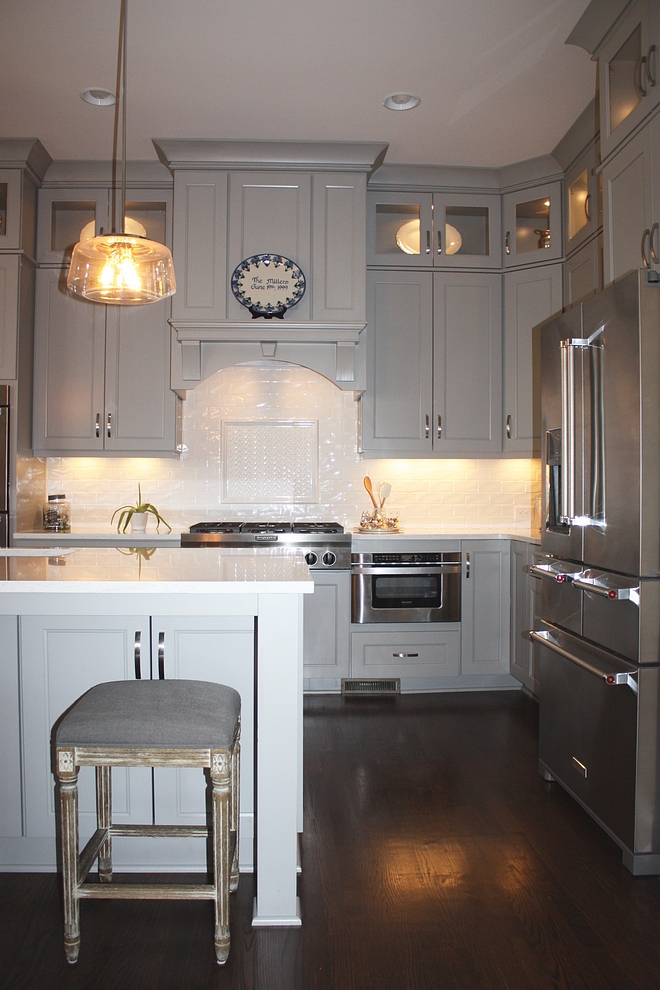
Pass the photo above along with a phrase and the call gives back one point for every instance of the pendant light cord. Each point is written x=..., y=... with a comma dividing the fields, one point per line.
x=119, y=221
x=124, y=5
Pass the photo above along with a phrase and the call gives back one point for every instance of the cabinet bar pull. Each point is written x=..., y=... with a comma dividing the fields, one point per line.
x=439, y=427
x=508, y=427
x=654, y=254
x=109, y=424
x=439, y=242
x=427, y=429
x=161, y=656
x=405, y=655
x=645, y=259
x=587, y=206
x=651, y=76
x=137, y=650
x=428, y=241
x=98, y=424
x=467, y=565
x=638, y=82
x=507, y=249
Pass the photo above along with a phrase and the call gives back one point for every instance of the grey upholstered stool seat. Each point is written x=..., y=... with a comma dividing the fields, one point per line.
x=149, y=723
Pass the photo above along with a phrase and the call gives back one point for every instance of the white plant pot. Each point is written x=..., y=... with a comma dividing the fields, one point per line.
x=138, y=522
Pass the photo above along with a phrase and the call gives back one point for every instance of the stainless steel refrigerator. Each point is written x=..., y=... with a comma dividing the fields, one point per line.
x=4, y=465
x=599, y=642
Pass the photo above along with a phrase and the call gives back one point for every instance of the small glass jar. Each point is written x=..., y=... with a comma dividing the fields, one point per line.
x=57, y=515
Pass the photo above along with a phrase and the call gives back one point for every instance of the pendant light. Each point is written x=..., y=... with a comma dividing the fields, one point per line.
x=125, y=268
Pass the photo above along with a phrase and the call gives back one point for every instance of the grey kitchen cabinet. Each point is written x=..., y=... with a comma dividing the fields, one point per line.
x=422, y=656
x=11, y=818
x=532, y=225
x=437, y=230
x=485, y=610
x=200, y=245
x=222, y=217
x=582, y=199
x=63, y=212
x=524, y=615
x=531, y=295
x=326, y=625
x=628, y=67
x=18, y=207
x=63, y=656
x=628, y=206
x=583, y=271
x=433, y=364
x=9, y=282
x=101, y=375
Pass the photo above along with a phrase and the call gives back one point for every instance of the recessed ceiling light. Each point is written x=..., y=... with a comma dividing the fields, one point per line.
x=401, y=101
x=99, y=97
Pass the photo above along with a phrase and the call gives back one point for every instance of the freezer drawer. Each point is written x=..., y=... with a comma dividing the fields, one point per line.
x=588, y=728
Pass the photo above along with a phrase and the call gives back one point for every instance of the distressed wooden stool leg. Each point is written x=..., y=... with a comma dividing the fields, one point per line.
x=68, y=778
x=235, y=811
x=104, y=820
x=220, y=779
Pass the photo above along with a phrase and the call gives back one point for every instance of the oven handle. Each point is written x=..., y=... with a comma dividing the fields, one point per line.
x=385, y=569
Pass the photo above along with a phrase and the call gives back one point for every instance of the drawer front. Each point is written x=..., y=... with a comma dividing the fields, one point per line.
x=406, y=654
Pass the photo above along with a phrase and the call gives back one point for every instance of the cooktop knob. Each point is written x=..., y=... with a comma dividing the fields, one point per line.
x=311, y=558
x=329, y=558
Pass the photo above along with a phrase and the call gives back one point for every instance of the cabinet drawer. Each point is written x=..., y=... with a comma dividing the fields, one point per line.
x=406, y=654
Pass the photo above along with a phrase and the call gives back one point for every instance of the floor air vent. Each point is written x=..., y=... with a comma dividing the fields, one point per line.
x=358, y=685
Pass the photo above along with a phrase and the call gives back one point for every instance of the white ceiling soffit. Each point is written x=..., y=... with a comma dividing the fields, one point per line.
x=497, y=82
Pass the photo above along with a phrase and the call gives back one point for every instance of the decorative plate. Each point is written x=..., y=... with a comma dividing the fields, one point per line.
x=268, y=285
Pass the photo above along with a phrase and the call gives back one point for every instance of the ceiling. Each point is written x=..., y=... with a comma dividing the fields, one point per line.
x=496, y=80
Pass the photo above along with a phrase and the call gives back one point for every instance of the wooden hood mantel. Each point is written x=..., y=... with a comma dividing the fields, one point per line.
x=237, y=199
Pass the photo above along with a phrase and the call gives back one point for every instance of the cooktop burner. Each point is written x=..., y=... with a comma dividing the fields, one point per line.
x=325, y=544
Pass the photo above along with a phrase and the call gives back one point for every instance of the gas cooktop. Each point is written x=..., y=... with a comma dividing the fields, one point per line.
x=325, y=544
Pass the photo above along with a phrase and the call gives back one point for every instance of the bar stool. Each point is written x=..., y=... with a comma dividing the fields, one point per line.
x=175, y=723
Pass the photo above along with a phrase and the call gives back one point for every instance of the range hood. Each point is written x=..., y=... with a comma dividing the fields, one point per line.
x=237, y=199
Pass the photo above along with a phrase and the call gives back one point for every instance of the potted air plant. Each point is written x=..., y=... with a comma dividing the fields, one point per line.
x=137, y=516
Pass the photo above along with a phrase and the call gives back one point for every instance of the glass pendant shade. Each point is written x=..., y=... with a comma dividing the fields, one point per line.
x=121, y=269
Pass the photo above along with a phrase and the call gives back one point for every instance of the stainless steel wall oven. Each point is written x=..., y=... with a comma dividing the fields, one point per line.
x=406, y=587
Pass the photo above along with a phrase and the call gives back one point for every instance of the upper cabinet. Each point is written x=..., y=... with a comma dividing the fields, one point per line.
x=532, y=225
x=629, y=70
x=441, y=230
x=583, y=200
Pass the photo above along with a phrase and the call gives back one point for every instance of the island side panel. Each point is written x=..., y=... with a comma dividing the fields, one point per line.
x=279, y=757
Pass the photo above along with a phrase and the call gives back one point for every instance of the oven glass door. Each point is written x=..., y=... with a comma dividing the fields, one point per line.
x=406, y=590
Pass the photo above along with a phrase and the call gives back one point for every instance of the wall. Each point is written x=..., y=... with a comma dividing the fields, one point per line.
x=459, y=495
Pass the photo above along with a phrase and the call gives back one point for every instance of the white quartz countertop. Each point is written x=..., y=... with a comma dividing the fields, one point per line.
x=163, y=570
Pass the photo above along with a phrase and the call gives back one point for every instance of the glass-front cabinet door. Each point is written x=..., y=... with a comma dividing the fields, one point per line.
x=582, y=201
x=467, y=231
x=423, y=230
x=629, y=70
x=10, y=209
x=400, y=229
x=63, y=215
x=532, y=225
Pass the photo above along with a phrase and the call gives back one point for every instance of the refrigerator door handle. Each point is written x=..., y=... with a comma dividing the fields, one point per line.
x=567, y=493
x=544, y=638
x=614, y=594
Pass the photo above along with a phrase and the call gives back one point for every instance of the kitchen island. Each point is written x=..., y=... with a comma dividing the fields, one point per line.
x=85, y=616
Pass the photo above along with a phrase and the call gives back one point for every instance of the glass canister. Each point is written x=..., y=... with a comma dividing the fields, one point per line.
x=57, y=515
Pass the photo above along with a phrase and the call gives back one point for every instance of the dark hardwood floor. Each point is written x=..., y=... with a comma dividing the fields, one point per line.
x=434, y=856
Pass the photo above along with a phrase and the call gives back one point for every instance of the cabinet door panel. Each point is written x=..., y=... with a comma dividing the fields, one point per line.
x=468, y=363
x=270, y=213
x=11, y=181
x=532, y=225
x=200, y=245
x=530, y=296
x=338, y=231
x=627, y=206
x=69, y=368
x=477, y=221
x=327, y=617
x=397, y=404
x=400, y=229
x=583, y=274
x=138, y=397
x=62, y=215
x=522, y=616
x=10, y=746
x=220, y=650
x=8, y=315
x=61, y=658
x=485, y=614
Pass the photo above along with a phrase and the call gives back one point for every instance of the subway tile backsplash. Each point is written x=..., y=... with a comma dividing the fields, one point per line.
x=486, y=495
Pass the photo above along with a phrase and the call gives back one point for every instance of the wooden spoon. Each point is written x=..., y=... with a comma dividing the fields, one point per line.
x=369, y=487
x=385, y=492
